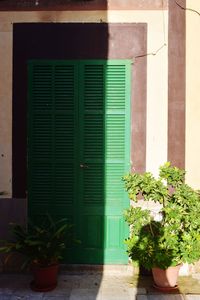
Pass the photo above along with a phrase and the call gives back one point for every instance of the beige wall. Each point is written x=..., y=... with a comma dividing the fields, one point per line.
x=156, y=77
x=193, y=94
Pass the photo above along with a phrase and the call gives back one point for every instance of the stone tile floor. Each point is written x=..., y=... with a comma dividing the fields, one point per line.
x=94, y=286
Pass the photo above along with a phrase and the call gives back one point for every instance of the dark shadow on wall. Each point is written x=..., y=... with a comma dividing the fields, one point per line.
x=46, y=181
x=60, y=47
x=45, y=42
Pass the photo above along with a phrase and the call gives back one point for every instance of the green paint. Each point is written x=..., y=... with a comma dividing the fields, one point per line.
x=78, y=150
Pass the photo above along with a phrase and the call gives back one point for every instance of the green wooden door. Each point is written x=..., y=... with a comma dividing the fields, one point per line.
x=78, y=150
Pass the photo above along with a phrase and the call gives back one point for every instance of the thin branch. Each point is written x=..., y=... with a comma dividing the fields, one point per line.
x=152, y=53
x=185, y=8
x=151, y=229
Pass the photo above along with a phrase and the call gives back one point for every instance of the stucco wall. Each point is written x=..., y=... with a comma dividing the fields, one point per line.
x=193, y=94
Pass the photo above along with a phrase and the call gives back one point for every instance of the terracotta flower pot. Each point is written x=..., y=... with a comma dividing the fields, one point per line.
x=166, y=279
x=45, y=278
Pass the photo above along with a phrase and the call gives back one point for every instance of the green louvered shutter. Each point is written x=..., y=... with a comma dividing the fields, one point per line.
x=117, y=157
x=104, y=157
x=51, y=140
x=78, y=150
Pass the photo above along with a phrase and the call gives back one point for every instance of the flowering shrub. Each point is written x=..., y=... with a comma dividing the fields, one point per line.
x=174, y=237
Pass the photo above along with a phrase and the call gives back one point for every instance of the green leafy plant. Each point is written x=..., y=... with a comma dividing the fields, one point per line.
x=172, y=236
x=40, y=244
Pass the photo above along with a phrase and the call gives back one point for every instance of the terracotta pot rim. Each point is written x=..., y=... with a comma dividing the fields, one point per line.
x=157, y=267
x=165, y=288
x=39, y=266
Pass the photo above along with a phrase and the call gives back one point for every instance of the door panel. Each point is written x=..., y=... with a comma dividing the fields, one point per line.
x=78, y=150
x=52, y=105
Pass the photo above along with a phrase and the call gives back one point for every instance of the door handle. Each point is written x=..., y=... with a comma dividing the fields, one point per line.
x=83, y=166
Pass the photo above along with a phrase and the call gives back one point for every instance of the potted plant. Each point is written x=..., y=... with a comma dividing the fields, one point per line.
x=42, y=247
x=164, y=221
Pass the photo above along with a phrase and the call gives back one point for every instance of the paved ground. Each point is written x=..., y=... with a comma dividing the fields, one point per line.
x=94, y=286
